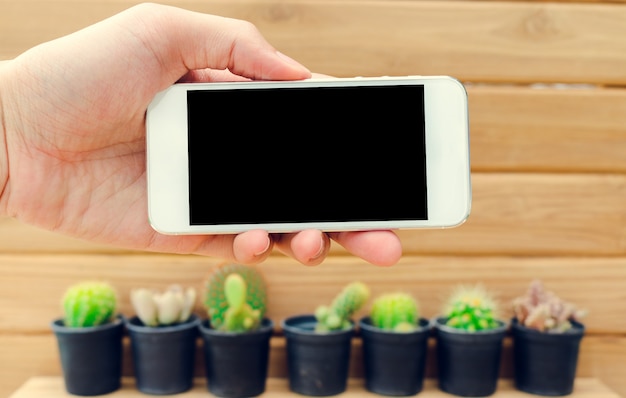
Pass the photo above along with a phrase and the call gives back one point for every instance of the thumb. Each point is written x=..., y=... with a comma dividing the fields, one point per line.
x=183, y=41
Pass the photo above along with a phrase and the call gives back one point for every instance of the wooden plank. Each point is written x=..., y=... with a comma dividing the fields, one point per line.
x=488, y=41
x=512, y=214
x=547, y=129
x=53, y=388
x=32, y=286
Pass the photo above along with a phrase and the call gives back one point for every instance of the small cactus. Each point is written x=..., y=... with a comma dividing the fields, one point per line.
x=159, y=309
x=471, y=308
x=398, y=312
x=337, y=316
x=236, y=298
x=543, y=310
x=89, y=303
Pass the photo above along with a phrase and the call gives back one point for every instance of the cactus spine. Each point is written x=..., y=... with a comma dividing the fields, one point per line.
x=89, y=303
x=398, y=312
x=236, y=298
x=337, y=316
x=471, y=308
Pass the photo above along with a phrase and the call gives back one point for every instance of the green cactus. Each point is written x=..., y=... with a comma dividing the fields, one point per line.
x=337, y=316
x=398, y=312
x=236, y=298
x=89, y=303
x=471, y=308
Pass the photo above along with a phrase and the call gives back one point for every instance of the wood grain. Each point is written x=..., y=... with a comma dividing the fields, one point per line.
x=521, y=42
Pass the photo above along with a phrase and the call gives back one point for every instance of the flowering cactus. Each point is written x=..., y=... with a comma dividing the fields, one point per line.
x=89, y=303
x=397, y=312
x=172, y=306
x=346, y=303
x=543, y=310
x=471, y=308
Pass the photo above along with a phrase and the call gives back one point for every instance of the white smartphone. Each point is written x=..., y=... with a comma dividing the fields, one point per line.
x=336, y=154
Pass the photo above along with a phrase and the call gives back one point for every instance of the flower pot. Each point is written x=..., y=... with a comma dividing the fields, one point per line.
x=545, y=363
x=318, y=363
x=468, y=363
x=91, y=357
x=394, y=362
x=163, y=356
x=236, y=363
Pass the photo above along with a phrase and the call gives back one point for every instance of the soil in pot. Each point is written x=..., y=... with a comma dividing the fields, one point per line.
x=163, y=356
x=91, y=357
x=236, y=363
x=468, y=363
x=545, y=363
x=394, y=363
x=318, y=363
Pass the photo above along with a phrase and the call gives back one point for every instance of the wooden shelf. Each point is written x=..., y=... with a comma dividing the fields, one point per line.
x=52, y=387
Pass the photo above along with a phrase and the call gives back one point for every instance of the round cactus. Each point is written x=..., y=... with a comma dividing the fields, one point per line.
x=395, y=311
x=251, y=283
x=89, y=303
x=471, y=308
x=346, y=303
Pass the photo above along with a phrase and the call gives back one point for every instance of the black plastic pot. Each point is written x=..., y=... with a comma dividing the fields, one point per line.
x=318, y=363
x=468, y=363
x=394, y=363
x=236, y=363
x=91, y=357
x=163, y=356
x=545, y=363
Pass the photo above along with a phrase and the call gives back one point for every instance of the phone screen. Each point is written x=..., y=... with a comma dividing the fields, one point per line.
x=290, y=155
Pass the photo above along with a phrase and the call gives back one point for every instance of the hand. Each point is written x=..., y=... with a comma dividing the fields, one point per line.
x=73, y=111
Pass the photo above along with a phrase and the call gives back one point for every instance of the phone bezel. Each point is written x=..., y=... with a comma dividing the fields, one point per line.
x=447, y=147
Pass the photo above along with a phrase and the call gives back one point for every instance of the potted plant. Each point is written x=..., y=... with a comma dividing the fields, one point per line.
x=547, y=332
x=469, y=339
x=237, y=333
x=163, y=339
x=395, y=345
x=319, y=345
x=89, y=337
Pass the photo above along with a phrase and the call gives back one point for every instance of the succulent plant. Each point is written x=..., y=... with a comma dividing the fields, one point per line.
x=337, y=316
x=89, y=303
x=398, y=312
x=543, y=310
x=471, y=308
x=236, y=297
x=153, y=308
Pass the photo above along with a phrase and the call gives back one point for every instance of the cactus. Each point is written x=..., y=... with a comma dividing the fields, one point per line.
x=544, y=311
x=346, y=303
x=471, y=308
x=159, y=309
x=89, y=303
x=397, y=312
x=236, y=298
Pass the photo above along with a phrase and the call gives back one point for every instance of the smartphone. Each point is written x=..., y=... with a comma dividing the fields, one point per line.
x=334, y=154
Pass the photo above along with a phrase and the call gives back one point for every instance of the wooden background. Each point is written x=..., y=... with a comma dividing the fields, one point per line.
x=547, y=96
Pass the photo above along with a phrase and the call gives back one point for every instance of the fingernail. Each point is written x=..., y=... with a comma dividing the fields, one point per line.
x=291, y=61
x=265, y=249
x=320, y=251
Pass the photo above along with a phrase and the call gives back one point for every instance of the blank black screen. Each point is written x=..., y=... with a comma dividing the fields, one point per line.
x=307, y=155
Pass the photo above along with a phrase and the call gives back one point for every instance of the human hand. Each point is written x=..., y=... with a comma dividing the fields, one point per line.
x=73, y=115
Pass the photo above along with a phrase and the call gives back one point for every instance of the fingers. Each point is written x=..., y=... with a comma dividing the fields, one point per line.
x=376, y=247
x=187, y=40
x=309, y=247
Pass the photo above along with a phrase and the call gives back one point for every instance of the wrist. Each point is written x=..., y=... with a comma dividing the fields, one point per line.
x=4, y=157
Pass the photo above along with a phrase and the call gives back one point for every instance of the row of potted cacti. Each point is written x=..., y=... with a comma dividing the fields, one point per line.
x=236, y=340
